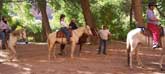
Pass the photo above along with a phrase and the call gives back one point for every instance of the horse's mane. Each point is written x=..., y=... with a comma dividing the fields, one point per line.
x=17, y=32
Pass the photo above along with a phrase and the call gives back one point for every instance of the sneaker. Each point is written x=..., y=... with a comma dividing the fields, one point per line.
x=155, y=46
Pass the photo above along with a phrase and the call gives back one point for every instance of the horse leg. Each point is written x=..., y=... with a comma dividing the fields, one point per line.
x=138, y=58
x=72, y=49
x=80, y=48
x=13, y=53
x=50, y=47
x=54, y=52
x=161, y=61
x=62, y=47
x=130, y=57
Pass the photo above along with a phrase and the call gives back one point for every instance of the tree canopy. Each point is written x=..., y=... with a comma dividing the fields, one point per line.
x=114, y=13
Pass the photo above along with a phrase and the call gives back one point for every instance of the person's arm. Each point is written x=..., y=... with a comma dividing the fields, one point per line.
x=1, y=26
x=63, y=24
x=109, y=33
x=151, y=16
x=99, y=33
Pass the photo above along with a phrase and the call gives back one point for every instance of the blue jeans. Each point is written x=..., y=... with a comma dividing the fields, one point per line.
x=2, y=34
x=102, y=46
x=66, y=32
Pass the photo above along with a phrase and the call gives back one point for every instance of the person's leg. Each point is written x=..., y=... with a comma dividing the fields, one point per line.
x=100, y=46
x=66, y=32
x=105, y=47
x=3, y=40
x=155, y=32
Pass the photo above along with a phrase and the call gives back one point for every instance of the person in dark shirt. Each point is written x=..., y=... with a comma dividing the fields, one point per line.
x=72, y=24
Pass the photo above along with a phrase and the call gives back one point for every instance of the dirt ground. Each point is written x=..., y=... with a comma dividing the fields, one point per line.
x=33, y=60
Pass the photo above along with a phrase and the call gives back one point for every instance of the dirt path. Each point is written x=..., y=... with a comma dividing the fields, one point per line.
x=33, y=60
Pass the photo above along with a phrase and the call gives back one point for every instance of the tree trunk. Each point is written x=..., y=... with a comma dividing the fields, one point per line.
x=87, y=13
x=45, y=21
x=131, y=11
x=1, y=5
x=89, y=20
x=137, y=8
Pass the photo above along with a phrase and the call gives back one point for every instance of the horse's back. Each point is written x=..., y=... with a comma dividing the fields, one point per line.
x=133, y=32
x=133, y=35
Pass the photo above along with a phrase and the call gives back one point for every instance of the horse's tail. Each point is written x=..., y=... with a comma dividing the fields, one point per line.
x=128, y=44
x=128, y=50
x=48, y=41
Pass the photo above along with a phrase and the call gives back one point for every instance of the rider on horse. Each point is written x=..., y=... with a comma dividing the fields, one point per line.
x=64, y=28
x=152, y=24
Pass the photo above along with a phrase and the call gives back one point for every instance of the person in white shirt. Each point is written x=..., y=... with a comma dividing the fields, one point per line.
x=4, y=30
x=64, y=27
x=103, y=34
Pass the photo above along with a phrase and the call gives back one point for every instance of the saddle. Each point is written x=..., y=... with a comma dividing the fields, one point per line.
x=61, y=34
x=147, y=32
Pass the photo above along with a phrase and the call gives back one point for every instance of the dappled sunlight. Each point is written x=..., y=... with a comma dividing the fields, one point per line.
x=156, y=63
x=150, y=73
x=37, y=43
x=4, y=53
x=43, y=61
x=116, y=50
x=23, y=69
x=85, y=72
x=12, y=64
x=150, y=55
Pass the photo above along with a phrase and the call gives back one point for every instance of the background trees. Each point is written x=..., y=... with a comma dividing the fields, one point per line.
x=117, y=14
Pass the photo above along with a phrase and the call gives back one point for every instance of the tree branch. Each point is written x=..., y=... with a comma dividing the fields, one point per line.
x=163, y=15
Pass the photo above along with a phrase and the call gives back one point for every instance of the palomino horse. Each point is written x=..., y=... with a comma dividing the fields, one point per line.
x=11, y=42
x=76, y=34
x=82, y=41
x=134, y=38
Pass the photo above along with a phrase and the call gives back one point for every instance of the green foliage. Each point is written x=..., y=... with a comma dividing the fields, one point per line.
x=114, y=13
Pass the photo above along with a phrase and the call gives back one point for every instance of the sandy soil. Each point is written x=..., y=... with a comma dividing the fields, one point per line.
x=33, y=60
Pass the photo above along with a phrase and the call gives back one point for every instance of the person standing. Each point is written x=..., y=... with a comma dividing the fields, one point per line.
x=152, y=24
x=103, y=34
x=4, y=30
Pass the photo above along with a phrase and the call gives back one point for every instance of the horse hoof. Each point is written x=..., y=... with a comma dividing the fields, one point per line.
x=131, y=68
x=162, y=69
x=72, y=57
x=15, y=60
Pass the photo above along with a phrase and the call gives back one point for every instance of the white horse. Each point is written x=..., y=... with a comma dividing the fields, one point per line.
x=11, y=42
x=134, y=38
x=76, y=34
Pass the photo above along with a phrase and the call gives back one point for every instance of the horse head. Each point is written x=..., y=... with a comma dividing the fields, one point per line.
x=20, y=33
x=23, y=34
x=88, y=30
